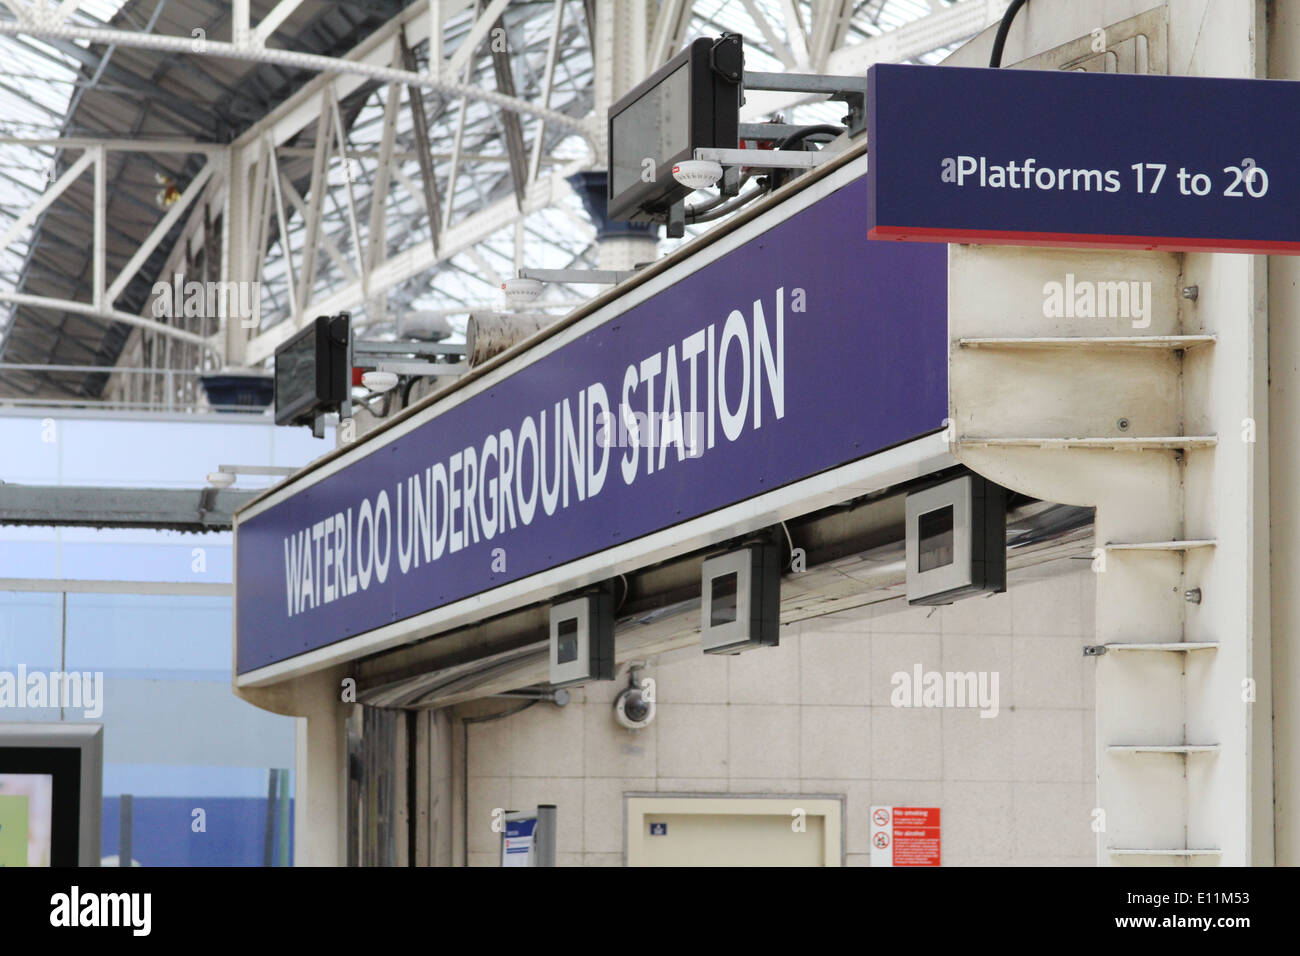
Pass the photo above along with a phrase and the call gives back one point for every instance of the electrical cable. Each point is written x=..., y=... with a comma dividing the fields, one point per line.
x=999, y=41
x=720, y=206
x=780, y=177
x=799, y=135
x=715, y=201
x=731, y=206
x=788, y=540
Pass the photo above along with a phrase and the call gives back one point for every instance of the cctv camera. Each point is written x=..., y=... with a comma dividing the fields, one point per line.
x=697, y=173
x=633, y=710
x=379, y=381
x=522, y=292
x=221, y=479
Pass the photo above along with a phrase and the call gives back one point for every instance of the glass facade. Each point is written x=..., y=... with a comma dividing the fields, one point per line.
x=138, y=626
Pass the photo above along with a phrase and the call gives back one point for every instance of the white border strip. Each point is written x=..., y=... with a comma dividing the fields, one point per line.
x=905, y=462
x=873, y=473
x=92, y=586
x=637, y=295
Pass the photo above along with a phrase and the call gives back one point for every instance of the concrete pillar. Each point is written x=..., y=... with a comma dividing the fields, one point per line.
x=620, y=48
x=1283, y=284
x=320, y=778
x=239, y=255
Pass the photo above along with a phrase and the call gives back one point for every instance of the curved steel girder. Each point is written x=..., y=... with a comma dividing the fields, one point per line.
x=109, y=315
x=303, y=61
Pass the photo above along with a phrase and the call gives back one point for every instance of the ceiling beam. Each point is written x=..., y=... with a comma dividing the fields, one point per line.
x=64, y=38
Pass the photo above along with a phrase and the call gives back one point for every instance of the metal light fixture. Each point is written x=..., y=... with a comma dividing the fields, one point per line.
x=226, y=475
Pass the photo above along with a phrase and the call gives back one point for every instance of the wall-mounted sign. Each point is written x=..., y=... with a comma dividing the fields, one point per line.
x=517, y=840
x=1057, y=158
x=802, y=349
x=905, y=836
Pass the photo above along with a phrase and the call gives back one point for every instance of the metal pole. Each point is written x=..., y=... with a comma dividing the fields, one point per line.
x=282, y=852
x=544, y=835
x=63, y=639
x=268, y=839
x=124, y=848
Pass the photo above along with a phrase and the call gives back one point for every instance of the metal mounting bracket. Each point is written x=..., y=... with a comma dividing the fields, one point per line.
x=851, y=90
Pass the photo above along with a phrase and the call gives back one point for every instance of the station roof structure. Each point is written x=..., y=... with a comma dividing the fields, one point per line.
x=161, y=88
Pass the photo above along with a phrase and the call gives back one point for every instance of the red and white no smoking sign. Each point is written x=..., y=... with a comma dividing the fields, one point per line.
x=905, y=836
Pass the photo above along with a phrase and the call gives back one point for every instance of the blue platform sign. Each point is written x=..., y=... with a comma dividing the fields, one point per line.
x=805, y=348
x=1057, y=158
x=519, y=842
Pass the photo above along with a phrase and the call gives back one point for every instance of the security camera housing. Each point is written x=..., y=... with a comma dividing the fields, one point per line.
x=956, y=540
x=582, y=639
x=740, y=606
x=632, y=710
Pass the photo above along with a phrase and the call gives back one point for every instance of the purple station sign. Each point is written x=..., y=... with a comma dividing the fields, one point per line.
x=1075, y=159
x=806, y=348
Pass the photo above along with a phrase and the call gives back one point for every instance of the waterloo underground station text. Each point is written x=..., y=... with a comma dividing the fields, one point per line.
x=716, y=385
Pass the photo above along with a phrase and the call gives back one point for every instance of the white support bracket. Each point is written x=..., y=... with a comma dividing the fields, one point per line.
x=764, y=158
x=273, y=470
x=578, y=276
x=366, y=349
x=406, y=358
x=429, y=369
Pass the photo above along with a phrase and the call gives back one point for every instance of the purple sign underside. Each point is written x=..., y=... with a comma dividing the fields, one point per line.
x=807, y=348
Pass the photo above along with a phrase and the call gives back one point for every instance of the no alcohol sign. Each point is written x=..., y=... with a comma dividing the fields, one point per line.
x=905, y=836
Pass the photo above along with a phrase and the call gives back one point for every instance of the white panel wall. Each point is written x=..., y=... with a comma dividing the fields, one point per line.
x=814, y=716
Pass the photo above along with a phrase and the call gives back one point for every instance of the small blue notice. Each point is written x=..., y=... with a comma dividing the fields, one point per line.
x=658, y=829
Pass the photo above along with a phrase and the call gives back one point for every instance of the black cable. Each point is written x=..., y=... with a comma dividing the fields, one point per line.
x=999, y=41
x=779, y=177
x=720, y=206
x=729, y=207
x=715, y=201
x=406, y=391
x=801, y=134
